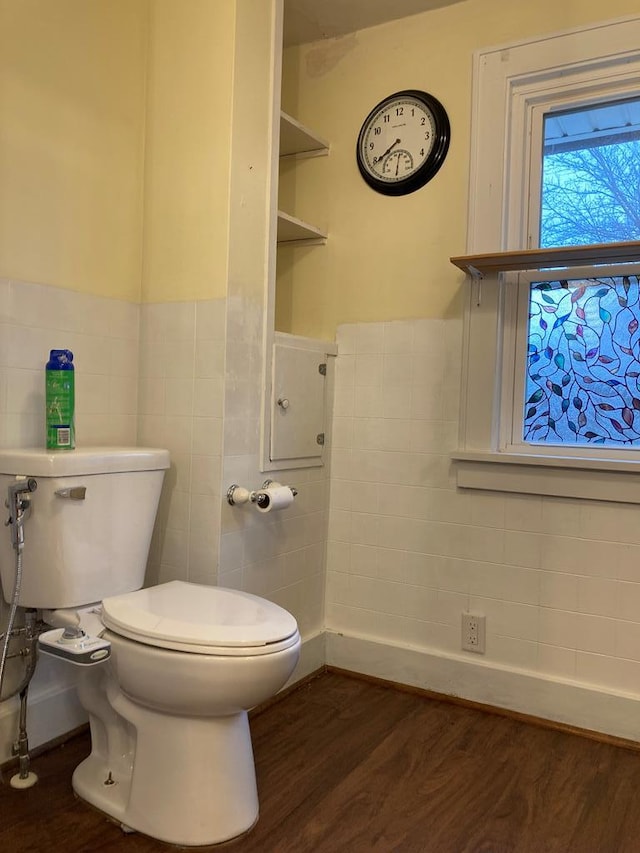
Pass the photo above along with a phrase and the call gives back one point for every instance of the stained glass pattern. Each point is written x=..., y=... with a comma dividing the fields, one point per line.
x=583, y=362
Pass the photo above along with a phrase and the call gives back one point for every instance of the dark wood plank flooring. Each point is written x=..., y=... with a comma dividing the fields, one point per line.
x=346, y=765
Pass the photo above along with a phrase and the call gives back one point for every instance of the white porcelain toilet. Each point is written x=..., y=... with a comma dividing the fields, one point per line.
x=168, y=673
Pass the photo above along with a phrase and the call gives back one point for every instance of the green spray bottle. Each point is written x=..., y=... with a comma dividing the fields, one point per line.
x=60, y=400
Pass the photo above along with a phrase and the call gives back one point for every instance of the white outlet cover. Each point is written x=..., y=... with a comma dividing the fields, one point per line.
x=474, y=632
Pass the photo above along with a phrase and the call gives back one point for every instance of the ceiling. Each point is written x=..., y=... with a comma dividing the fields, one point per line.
x=311, y=20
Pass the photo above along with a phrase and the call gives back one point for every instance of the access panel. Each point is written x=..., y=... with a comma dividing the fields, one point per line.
x=298, y=404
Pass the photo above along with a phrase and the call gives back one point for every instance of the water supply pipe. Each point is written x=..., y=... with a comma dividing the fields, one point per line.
x=18, y=506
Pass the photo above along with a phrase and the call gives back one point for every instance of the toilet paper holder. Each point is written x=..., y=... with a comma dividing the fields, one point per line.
x=237, y=495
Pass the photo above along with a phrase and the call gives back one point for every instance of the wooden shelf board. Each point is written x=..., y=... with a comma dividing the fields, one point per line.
x=536, y=259
x=293, y=230
x=298, y=140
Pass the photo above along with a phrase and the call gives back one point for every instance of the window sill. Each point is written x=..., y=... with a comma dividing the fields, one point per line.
x=557, y=476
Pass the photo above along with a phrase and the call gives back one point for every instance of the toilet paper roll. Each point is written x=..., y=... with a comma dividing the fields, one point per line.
x=275, y=497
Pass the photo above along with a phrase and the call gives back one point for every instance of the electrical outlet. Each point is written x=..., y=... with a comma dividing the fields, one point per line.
x=474, y=632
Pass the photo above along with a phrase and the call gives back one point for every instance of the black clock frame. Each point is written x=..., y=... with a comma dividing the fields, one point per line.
x=435, y=158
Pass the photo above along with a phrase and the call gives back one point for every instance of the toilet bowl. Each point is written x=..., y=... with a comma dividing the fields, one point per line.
x=171, y=748
x=167, y=674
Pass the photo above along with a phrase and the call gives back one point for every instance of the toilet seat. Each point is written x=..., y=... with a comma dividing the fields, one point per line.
x=201, y=619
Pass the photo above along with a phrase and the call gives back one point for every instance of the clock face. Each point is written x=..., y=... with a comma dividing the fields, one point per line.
x=403, y=142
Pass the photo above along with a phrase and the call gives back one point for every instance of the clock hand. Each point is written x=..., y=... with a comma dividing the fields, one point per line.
x=390, y=148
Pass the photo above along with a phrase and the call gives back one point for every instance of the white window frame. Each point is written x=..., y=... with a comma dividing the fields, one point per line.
x=512, y=87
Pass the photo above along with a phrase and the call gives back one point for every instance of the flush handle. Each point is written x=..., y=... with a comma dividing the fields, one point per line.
x=74, y=493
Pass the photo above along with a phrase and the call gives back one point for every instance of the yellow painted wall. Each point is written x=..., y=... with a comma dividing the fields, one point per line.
x=71, y=143
x=186, y=218
x=387, y=258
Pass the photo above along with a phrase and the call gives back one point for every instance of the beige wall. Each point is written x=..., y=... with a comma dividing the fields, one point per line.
x=387, y=258
x=186, y=214
x=115, y=135
x=71, y=143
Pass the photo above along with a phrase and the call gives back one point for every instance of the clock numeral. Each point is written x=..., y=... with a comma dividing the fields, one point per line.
x=386, y=119
x=422, y=152
x=377, y=131
x=399, y=111
x=427, y=134
x=423, y=121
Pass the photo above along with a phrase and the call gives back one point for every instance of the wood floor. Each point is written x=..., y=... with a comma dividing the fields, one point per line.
x=345, y=765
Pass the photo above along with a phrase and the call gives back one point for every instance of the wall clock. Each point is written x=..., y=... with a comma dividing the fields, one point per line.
x=403, y=142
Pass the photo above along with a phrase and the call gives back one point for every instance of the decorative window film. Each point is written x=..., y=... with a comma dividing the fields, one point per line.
x=583, y=362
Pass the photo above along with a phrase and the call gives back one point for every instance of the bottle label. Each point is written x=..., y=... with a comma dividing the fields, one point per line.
x=62, y=436
x=60, y=405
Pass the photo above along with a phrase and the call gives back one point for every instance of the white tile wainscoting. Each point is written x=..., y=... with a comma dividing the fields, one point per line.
x=181, y=403
x=103, y=335
x=200, y=387
x=406, y=552
x=559, y=580
x=165, y=375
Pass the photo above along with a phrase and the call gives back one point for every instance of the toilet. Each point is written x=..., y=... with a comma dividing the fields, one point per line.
x=168, y=673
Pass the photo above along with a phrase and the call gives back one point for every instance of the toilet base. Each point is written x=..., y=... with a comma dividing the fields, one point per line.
x=188, y=781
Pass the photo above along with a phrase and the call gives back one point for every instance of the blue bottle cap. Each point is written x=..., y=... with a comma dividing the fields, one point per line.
x=60, y=359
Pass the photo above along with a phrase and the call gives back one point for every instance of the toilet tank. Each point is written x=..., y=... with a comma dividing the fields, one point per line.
x=78, y=550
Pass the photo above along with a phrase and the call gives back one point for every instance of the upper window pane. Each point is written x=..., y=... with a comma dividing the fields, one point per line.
x=591, y=175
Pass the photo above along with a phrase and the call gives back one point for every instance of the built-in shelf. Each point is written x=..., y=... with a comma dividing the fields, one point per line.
x=296, y=140
x=479, y=266
x=293, y=230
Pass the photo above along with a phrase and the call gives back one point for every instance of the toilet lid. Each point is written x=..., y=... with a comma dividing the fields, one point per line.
x=179, y=614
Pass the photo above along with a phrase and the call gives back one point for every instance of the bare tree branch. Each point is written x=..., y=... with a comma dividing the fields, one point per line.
x=591, y=195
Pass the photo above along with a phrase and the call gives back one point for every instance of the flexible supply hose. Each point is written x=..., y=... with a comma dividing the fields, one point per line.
x=25, y=778
x=12, y=618
x=17, y=507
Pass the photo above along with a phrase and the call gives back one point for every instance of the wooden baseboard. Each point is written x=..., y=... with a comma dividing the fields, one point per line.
x=529, y=719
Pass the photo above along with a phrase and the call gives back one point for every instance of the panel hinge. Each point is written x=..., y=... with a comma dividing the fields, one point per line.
x=322, y=369
x=320, y=438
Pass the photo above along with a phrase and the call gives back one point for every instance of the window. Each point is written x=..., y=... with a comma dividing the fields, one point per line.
x=579, y=387
x=548, y=382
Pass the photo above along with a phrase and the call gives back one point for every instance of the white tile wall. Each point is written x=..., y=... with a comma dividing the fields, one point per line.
x=156, y=375
x=406, y=552
x=559, y=580
x=280, y=555
x=103, y=335
x=181, y=407
x=200, y=396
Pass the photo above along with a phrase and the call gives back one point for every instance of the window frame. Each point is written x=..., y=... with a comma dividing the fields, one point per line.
x=513, y=86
